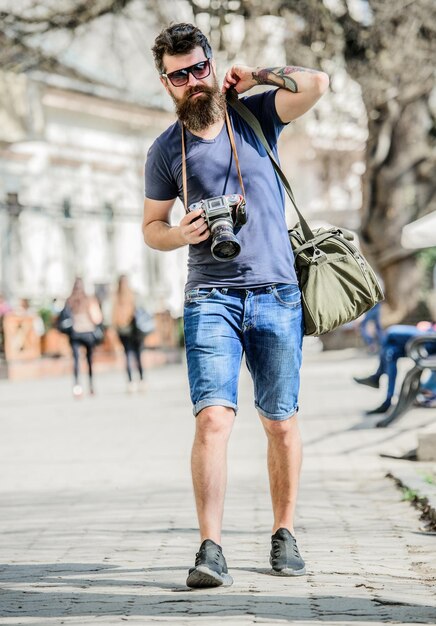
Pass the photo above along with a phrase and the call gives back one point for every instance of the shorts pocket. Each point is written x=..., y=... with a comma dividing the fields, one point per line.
x=288, y=295
x=199, y=294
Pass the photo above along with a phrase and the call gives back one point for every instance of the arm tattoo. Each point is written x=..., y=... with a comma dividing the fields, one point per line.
x=279, y=76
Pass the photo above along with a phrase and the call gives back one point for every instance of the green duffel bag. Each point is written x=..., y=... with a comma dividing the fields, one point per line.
x=337, y=283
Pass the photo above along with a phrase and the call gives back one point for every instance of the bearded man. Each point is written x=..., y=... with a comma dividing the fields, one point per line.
x=247, y=303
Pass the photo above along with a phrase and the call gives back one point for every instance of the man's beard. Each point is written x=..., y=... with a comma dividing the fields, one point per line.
x=200, y=112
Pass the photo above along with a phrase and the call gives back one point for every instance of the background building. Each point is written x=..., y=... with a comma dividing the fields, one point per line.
x=71, y=191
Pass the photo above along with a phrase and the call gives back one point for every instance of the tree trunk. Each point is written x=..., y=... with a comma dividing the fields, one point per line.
x=397, y=190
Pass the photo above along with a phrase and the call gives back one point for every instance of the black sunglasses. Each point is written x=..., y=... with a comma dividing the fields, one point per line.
x=181, y=77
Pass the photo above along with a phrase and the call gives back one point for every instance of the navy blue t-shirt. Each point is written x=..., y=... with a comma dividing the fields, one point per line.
x=266, y=255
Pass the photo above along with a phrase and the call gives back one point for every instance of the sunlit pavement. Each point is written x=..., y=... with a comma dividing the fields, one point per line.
x=97, y=516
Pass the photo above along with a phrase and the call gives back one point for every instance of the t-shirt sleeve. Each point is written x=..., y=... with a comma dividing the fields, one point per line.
x=159, y=181
x=264, y=108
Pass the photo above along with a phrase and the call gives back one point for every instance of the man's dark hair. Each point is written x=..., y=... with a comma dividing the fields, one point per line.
x=179, y=39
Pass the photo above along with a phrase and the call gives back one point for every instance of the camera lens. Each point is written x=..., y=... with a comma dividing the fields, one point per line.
x=225, y=246
x=226, y=250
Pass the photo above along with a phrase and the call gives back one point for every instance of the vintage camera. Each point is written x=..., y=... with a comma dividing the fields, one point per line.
x=222, y=214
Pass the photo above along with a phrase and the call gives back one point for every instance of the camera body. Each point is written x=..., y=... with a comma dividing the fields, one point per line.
x=222, y=214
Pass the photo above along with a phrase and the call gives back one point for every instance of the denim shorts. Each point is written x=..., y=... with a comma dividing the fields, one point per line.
x=265, y=324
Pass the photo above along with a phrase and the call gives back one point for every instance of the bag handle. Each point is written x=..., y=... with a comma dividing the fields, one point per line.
x=235, y=155
x=253, y=122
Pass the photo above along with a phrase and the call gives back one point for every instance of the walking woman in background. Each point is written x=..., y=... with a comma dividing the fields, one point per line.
x=123, y=319
x=86, y=316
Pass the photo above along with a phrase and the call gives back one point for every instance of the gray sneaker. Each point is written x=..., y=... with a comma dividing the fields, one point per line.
x=210, y=567
x=285, y=559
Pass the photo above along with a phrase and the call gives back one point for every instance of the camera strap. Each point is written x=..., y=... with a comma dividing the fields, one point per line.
x=235, y=156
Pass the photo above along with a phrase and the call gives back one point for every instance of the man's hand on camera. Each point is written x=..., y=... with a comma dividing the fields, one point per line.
x=240, y=77
x=193, y=227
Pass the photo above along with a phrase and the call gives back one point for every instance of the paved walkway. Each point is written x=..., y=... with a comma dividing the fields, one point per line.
x=97, y=516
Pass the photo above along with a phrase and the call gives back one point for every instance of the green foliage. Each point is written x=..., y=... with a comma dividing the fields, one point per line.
x=47, y=317
x=427, y=260
x=409, y=495
x=429, y=478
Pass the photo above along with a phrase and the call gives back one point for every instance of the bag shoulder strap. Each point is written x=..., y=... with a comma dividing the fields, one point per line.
x=253, y=122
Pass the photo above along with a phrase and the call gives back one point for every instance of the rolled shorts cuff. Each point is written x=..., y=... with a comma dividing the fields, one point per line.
x=275, y=417
x=202, y=404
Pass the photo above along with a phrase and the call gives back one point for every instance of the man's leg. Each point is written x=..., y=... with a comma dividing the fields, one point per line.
x=273, y=342
x=209, y=475
x=284, y=465
x=273, y=353
x=214, y=351
x=209, y=468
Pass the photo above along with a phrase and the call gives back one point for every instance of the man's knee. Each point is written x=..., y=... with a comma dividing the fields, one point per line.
x=280, y=428
x=213, y=421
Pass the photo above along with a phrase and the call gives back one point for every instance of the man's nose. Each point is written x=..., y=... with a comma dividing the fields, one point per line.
x=191, y=79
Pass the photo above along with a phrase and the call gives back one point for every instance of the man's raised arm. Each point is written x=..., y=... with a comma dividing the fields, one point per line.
x=299, y=87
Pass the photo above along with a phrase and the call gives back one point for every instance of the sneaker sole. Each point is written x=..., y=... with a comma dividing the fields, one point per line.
x=202, y=577
x=288, y=572
x=368, y=384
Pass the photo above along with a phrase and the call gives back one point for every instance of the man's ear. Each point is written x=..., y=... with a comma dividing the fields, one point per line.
x=164, y=83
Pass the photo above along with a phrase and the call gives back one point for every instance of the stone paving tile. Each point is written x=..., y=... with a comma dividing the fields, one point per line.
x=97, y=516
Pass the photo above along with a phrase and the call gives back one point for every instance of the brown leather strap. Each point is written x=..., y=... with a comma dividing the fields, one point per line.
x=184, y=181
x=235, y=154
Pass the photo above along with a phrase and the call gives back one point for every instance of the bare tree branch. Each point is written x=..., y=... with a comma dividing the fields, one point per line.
x=39, y=19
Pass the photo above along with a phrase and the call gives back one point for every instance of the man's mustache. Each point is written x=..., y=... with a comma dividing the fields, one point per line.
x=194, y=90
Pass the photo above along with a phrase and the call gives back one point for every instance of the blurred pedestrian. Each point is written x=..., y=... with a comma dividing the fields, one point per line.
x=86, y=317
x=371, y=330
x=393, y=348
x=123, y=320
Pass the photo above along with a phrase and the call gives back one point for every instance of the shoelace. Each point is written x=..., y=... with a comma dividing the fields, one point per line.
x=215, y=557
x=277, y=549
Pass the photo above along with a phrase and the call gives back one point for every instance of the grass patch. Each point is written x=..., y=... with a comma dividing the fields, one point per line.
x=409, y=495
x=429, y=478
x=421, y=503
